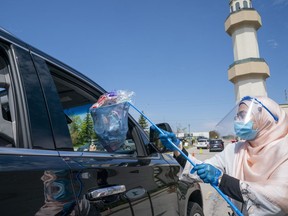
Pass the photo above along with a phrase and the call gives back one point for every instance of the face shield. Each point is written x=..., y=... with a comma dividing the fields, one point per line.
x=243, y=120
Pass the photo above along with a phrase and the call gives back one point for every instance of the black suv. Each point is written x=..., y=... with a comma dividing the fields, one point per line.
x=51, y=162
x=216, y=145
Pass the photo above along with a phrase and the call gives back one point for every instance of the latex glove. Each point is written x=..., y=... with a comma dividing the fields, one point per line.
x=208, y=173
x=169, y=136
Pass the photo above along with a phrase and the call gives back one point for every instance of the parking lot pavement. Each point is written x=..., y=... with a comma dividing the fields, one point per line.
x=214, y=204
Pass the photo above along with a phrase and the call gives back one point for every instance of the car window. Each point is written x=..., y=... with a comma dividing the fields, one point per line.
x=7, y=117
x=76, y=102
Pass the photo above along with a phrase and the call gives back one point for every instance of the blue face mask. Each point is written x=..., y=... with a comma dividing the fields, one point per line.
x=245, y=131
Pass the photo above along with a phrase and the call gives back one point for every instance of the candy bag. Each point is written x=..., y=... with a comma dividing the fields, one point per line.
x=110, y=117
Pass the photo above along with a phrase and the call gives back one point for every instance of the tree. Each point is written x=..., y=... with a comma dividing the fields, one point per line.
x=142, y=121
x=87, y=132
x=213, y=135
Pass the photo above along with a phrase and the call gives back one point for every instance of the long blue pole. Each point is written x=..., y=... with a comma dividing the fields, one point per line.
x=235, y=209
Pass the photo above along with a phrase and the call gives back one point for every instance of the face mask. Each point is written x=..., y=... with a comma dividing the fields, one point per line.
x=245, y=131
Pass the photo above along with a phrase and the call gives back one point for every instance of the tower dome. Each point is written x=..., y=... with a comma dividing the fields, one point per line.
x=236, y=5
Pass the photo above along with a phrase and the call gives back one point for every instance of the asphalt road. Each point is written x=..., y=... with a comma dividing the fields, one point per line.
x=214, y=204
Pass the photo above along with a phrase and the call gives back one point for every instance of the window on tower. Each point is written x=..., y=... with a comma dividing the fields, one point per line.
x=238, y=6
x=245, y=4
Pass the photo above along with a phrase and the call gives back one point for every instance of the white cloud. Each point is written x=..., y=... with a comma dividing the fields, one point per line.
x=272, y=43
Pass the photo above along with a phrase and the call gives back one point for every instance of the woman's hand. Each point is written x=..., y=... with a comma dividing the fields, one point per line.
x=166, y=136
x=208, y=173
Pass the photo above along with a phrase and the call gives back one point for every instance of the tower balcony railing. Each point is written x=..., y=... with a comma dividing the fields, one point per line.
x=242, y=9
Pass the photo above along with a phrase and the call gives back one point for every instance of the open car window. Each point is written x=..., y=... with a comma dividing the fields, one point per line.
x=76, y=102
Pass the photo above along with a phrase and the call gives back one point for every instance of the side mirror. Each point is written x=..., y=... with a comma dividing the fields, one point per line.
x=154, y=136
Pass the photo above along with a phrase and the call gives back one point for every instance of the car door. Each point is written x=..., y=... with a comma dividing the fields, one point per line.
x=35, y=182
x=124, y=182
x=34, y=179
x=111, y=185
x=90, y=171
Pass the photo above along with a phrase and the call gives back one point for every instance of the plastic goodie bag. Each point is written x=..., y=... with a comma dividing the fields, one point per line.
x=110, y=117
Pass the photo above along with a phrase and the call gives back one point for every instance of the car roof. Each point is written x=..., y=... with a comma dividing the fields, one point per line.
x=8, y=36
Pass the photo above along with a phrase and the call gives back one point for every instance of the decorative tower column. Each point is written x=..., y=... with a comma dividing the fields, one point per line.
x=249, y=71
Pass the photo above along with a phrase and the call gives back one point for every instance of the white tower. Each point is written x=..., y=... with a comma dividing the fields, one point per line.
x=249, y=71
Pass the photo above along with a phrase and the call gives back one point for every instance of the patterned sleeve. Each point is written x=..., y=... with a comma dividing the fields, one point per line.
x=256, y=203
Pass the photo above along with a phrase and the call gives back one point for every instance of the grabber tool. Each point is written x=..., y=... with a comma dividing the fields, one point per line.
x=234, y=208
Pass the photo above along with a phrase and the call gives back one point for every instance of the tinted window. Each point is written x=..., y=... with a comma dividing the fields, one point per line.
x=7, y=117
x=33, y=103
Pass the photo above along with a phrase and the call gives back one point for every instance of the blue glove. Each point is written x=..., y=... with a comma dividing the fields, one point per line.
x=208, y=173
x=169, y=136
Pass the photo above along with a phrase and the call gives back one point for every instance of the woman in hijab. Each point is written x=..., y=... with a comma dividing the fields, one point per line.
x=252, y=172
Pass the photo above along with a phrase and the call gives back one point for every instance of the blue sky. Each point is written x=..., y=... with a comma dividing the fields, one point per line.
x=161, y=49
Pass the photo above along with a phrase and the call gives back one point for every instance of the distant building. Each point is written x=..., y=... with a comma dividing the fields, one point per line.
x=203, y=134
x=180, y=135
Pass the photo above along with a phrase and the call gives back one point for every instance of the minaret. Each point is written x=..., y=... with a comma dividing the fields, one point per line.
x=249, y=71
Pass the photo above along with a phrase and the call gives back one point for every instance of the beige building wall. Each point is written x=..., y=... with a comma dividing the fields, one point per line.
x=245, y=35
x=285, y=107
x=244, y=87
x=249, y=78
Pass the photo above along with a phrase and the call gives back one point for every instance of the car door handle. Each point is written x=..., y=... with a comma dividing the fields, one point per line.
x=104, y=192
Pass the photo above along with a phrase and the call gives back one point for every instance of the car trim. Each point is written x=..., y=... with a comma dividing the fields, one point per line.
x=104, y=155
x=20, y=151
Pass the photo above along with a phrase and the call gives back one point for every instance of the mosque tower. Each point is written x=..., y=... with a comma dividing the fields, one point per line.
x=249, y=71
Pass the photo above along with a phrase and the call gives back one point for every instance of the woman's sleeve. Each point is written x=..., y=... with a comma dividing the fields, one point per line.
x=231, y=187
x=181, y=159
x=228, y=184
